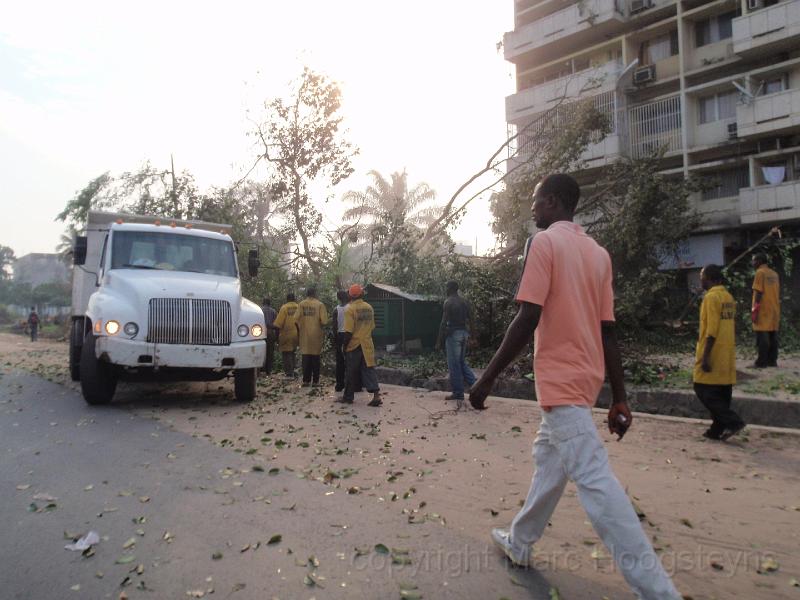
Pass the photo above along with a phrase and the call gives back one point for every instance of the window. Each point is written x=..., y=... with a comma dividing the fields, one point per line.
x=718, y=107
x=727, y=183
x=661, y=47
x=714, y=29
x=172, y=252
x=773, y=84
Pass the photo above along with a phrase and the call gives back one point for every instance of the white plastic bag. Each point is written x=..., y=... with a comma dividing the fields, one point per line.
x=86, y=542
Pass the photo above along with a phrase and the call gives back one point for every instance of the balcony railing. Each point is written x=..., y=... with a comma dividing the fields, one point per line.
x=769, y=26
x=770, y=203
x=768, y=114
x=587, y=14
x=655, y=125
x=542, y=96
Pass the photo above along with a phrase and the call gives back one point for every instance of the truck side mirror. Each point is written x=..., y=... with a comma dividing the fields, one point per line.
x=253, y=263
x=79, y=250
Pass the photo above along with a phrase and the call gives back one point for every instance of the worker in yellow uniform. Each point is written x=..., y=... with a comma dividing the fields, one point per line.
x=313, y=316
x=766, y=312
x=286, y=322
x=359, y=321
x=715, y=358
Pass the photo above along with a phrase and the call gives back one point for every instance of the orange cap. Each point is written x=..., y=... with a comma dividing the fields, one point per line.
x=355, y=291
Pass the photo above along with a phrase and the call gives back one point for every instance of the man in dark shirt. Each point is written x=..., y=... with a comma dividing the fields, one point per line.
x=272, y=334
x=453, y=330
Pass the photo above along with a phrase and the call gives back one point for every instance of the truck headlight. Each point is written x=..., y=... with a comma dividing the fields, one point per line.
x=112, y=327
x=243, y=330
x=131, y=329
x=256, y=330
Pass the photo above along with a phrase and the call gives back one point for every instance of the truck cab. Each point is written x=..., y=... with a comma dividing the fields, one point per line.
x=160, y=299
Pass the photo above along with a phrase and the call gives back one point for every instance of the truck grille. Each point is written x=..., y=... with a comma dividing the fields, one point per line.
x=189, y=321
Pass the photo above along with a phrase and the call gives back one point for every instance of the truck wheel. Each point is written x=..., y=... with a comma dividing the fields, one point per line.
x=98, y=380
x=244, y=384
x=75, y=346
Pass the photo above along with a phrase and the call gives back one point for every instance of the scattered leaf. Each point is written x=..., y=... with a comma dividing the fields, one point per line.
x=129, y=544
x=688, y=523
x=769, y=565
x=125, y=560
x=275, y=539
x=381, y=549
x=216, y=556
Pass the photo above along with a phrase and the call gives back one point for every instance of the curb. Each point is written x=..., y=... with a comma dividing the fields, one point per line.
x=755, y=410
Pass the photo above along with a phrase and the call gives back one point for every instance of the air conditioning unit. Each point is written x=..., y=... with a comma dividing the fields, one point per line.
x=644, y=74
x=733, y=131
x=755, y=4
x=638, y=6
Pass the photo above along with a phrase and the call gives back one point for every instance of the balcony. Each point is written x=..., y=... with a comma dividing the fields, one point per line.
x=586, y=22
x=767, y=29
x=769, y=114
x=655, y=125
x=711, y=54
x=706, y=135
x=770, y=203
x=543, y=96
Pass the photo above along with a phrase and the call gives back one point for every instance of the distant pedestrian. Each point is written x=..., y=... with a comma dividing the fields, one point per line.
x=359, y=321
x=33, y=324
x=272, y=334
x=566, y=298
x=454, y=332
x=288, y=336
x=312, y=317
x=338, y=338
x=766, y=312
x=715, y=358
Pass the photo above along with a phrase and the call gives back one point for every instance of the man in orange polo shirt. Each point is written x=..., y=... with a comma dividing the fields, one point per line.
x=566, y=296
x=766, y=312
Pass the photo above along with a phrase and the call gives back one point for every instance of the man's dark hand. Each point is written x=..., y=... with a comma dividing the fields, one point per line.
x=619, y=419
x=478, y=393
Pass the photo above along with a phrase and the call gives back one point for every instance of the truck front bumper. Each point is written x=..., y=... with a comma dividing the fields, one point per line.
x=134, y=353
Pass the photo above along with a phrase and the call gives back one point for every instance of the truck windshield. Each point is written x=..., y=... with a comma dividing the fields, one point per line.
x=172, y=252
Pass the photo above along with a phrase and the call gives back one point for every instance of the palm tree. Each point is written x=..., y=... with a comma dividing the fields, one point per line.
x=65, y=243
x=386, y=206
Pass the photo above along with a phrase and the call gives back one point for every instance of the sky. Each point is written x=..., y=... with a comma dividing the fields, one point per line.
x=90, y=87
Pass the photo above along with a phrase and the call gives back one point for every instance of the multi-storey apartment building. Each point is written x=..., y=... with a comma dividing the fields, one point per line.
x=715, y=82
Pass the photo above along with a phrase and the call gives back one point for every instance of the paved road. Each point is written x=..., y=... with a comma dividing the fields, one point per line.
x=124, y=476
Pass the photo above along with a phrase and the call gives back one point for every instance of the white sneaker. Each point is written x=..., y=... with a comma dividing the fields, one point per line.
x=502, y=539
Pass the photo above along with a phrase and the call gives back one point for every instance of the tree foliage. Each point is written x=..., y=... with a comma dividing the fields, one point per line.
x=6, y=261
x=554, y=143
x=642, y=218
x=303, y=140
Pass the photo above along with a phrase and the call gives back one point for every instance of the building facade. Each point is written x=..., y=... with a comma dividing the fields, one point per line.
x=717, y=83
x=40, y=268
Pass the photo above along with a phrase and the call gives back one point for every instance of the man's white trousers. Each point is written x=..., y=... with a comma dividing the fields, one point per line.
x=568, y=447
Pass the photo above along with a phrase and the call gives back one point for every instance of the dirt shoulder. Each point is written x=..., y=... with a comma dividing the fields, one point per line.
x=717, y=512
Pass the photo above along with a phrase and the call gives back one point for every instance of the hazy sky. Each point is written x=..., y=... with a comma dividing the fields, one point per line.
x=91, y=87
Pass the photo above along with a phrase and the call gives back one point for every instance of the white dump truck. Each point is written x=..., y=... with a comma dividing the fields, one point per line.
x=161, y=299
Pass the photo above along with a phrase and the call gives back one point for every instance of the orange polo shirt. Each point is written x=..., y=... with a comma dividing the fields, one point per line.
x=569, y=275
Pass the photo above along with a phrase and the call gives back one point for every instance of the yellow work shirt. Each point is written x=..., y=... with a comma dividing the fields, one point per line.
x=312, y=317
x=286, y=321
x=769, y=315
x=359, y=319
x=717, y=320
